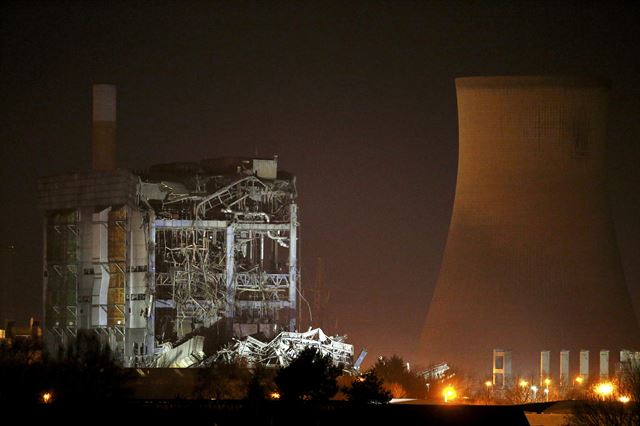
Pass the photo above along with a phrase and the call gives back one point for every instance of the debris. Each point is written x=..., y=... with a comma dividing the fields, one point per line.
x=184, y=355
x=284, y=347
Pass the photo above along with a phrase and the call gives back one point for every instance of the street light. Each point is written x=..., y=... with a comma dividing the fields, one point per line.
x=449, y=394
x=534, y=389
x=547, y=382
x=579, y=380
x=524, y=383
x=604, y=389
x=624, y=399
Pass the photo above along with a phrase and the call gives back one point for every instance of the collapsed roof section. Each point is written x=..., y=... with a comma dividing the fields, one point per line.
x=285, y=347
x=245, y=189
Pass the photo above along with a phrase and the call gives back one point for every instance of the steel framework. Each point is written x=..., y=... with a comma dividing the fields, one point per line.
x=149, y=259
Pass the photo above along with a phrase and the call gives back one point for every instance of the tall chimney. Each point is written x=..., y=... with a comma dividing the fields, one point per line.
x=104, y=127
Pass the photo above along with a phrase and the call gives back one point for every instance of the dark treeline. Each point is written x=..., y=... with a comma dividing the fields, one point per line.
x=84, y=371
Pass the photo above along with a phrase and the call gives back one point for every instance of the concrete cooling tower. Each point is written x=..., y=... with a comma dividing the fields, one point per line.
x=531, y=260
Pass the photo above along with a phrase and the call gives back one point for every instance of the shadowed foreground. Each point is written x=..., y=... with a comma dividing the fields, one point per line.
x=281, y=413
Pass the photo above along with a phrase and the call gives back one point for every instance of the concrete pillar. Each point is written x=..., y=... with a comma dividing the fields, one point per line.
x=293, y=266
x=151, y=252
x=584, y=364
x=501, y=367
x=626, y=356
x=544, y=366
x=604, y=364
x=564, y=368
x=230, y=269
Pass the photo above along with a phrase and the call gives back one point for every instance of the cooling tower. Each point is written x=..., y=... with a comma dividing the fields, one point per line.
x=531, y=261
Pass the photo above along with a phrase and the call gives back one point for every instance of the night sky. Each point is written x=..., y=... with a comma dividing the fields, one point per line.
x=358, y=102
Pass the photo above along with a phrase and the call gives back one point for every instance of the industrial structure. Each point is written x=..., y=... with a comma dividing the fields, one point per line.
x=280, y=351
x=157, y=259
x=531, y=259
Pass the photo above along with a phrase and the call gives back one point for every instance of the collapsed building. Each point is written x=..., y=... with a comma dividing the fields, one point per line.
x=280, y=351
x=152, y=259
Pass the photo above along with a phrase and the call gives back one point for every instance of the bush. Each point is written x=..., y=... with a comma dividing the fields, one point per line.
x=85, y=372
x=88, y=372
x=368, y=389
x=597, y=411
x=222, y=380
x=394, y=370
x=310, y=376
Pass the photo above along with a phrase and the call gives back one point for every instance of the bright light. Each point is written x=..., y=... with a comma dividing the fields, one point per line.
x=579, y=380
x=546, y=391
x=361, y=379
x=547, y=382
x=534, y=388
x=488, y=383
x=624, y=399
x=524, y=383
x=604, y=389
x=449, y=394
x=274, y=395
x=47, y=397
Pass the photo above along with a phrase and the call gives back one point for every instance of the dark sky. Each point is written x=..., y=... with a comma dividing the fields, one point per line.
x=358, y=102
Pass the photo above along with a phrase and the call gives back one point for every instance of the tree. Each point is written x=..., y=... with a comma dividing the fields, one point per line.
x=630, y=379
x=260, y=385
x=87, y=371
x=394, y=370
x=620, y=408
x=310, y=376
x=518, y=391
x=222, y=380
x=84, y=372
x=22, y=376
x=396, y=390
x=368, y=389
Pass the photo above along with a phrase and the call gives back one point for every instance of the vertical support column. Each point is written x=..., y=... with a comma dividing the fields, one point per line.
x=85, y=293
x=627, y=361
x=230, y=266
x=151, y=285
x=625, y=356
x=262, y=250
x=45, y=274
x=501, y=367
x=564, y=368
x=544, y=366
x=604, y=364
x=101, y=272
x=584, y=364
x=293, y=265
x=76, y=268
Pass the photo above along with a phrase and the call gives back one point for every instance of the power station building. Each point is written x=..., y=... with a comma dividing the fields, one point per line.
x=148, y=259
x=531, y=260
